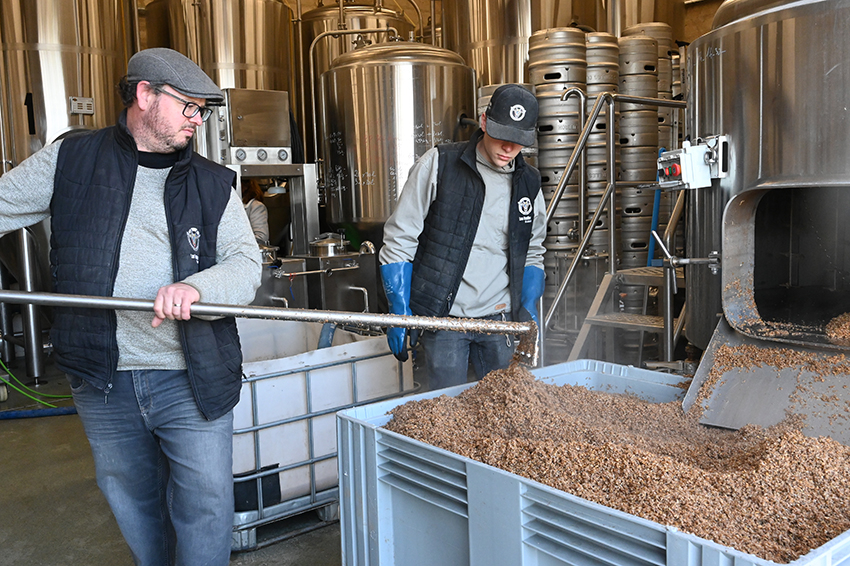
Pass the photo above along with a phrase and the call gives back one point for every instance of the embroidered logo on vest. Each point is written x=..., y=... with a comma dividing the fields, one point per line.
x=517, y=112
x=194, y=237
x=525, y=207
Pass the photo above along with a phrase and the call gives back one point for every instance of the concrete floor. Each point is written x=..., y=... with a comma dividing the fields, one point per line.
x=52, y=512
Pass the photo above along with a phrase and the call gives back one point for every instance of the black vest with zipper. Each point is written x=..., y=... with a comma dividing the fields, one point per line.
x=452, y=222
x=93, y=188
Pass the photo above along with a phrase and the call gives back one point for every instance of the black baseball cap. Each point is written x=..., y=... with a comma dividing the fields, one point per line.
x=512, y=115
x=160, y=65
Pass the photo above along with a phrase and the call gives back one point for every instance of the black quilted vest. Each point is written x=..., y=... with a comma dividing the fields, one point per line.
x=451, y=224
x=93, y=187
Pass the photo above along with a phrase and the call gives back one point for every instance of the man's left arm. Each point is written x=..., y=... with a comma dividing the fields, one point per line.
x=538, y=233
x=237, y=274
x=534, y=276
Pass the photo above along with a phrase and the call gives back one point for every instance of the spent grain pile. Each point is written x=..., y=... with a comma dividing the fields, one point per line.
x=773, y=493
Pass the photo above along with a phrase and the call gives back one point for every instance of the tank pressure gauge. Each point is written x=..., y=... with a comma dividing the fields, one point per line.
x=241, y=155
x=262, y=155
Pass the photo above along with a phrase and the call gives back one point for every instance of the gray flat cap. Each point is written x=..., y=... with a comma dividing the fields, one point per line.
x=160, y=65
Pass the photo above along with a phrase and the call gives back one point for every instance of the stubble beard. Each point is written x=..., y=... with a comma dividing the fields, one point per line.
x=158, y=135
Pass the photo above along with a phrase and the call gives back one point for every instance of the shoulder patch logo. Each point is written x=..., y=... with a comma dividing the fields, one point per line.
x=517, y=112
x=524, y=205
x=194, y=236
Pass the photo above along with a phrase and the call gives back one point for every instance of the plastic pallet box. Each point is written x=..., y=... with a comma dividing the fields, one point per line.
x=406, y=503
x=284, y=443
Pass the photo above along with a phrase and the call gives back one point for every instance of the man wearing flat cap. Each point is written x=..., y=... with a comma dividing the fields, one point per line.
x=135, y=212
x=466, y=240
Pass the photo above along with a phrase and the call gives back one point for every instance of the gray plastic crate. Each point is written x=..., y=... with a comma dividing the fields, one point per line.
x=406, y=503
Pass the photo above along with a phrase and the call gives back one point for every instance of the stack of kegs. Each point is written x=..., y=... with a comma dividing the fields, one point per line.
x=603, y=75
x=663, y=34
x=639, y=154
x=556, y=63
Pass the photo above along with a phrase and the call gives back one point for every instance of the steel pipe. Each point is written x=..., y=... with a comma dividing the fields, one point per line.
x=527, y=330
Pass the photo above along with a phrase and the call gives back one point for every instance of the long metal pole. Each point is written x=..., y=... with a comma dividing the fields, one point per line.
x=275, y=313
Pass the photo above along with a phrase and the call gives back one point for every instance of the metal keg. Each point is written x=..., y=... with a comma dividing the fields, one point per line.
x=665, y=75
x=638, y=55
x=550, y=103
x=638, y=164
x=566, y=124
x=639, y=128
x=602, y=74
x=557, y=147
x=635, y=232
x=638, y=85
x=636, y=201
x=601, y=47
x=557, y=56
x=564, y=73
x=660, y=31
x=551, y=174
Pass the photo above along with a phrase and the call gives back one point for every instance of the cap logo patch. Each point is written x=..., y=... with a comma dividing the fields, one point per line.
x=524, y=206
x=517, y=112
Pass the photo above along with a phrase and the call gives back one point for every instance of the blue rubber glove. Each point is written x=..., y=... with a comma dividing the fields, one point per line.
x=396, y=277
x=532, y=290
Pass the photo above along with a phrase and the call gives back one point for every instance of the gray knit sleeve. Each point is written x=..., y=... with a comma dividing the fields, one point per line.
x=237, y=274
x=26, y=190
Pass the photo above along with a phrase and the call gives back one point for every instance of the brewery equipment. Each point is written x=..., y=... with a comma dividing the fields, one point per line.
x=385, y=106
x=778, y=218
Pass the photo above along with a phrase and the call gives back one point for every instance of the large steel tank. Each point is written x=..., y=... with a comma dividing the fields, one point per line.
x=61, y=60
x=773, y=76
x=386, y=105
x=239, y=44
x=358, y=15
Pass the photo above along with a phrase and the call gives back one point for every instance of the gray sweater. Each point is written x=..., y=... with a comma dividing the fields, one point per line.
x=484, y=287
x=145, y=262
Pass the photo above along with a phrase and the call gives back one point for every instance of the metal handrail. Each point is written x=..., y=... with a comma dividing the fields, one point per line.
x=610, y=194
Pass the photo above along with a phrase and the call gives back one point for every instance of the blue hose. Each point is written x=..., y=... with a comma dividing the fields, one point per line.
x=32, y=413
x=656, y=204
x=326, y=337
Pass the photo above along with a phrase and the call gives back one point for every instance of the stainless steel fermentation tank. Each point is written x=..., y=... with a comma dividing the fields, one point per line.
x=319, y=48
x=60, y=61
x=386, y=105
x=774, y=77
x=240, y=44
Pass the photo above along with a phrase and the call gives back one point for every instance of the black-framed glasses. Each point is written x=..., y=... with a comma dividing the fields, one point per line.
x=191, y=109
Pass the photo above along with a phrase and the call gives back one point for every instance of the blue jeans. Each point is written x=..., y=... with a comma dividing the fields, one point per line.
x=165, y=470
x=448, y=353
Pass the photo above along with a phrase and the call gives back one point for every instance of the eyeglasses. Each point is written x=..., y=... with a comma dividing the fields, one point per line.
x=190, y=110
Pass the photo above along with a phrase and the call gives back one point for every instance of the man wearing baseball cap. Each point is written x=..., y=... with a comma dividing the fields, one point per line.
x=135, y=212
x=466, y=240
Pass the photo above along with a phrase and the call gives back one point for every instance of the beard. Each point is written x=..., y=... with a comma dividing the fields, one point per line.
x=158, y=134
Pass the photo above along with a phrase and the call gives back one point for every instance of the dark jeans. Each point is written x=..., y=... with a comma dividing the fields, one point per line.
x=165, y=470
x=448, y=353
